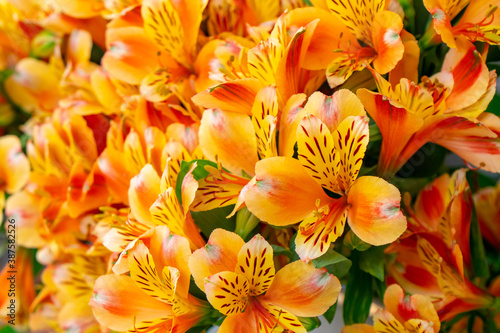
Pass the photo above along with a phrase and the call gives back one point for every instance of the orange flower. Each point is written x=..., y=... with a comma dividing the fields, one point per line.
x=331, y=145
x=379, y=29
x=158, y=285
x=403, y=314
x=446, y=109
x=240, y=281
x=479, y=22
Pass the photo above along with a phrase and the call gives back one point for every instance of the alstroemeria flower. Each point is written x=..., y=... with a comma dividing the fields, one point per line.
x=402, y=314
x=446, y=109
x=156, y=294
x=241, y=282
x=379, y=29
x=433, y=258
x=479, y=22
x=331, y=147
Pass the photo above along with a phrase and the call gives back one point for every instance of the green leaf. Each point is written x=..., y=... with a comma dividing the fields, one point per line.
x=494, y=106
x=7, y=329
x=372, y=261
x=198, y=173
x=209, y=220
x=292, y=249
x=310, y=323
x=279, y=250
x=478, y=254
x=330, y=313
x=334, y=262
x=308, y=2
x=358, y=295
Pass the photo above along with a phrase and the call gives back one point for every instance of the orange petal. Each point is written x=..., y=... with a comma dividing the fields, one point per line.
x=406, y=308
x=282, y=193
x=112, y=307
x=15, y=167
x=397, y=125
x=315, y=290
x=408, y=66
x=386, y=40
x=143, y=191
x=231, y=138
x=130, y=55
x=374, y=215
x=227, y=292
x=332, y=110
x=470, y=140
x=235, y=96
x=220, y=254
x=33, y=86
x=24, y=208
x=255, y=262
x=470, y=75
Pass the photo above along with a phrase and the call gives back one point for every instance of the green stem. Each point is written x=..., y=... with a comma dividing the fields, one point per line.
x=245, y=223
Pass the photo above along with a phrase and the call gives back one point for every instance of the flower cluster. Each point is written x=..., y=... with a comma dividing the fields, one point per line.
x=174, y=165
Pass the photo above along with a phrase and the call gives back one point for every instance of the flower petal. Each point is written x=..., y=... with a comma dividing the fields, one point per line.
x=234, y=96
x=350, y=141
x=112, y=307
x=231, y=138
x=282, y=193
x=143, y=191
x=316, y=152
x=227, y=292
x=220, y=254
x=315, y=290
x=318, y=231
x=374, y=215
x=255, y=262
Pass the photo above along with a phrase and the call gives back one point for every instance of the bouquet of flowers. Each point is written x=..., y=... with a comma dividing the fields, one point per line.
x=251, y=165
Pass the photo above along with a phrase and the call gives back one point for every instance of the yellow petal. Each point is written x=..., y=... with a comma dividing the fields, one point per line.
x=374, y=215
x=320, y=229
x=357, y=16
x=282, y=193
x=255, y=262
x=227, y=292
x=316, y=152
x=166, y=210
x=219, y=189
x=145, y=276
x=264, y=119
x=162, y=24
x=350, y=141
